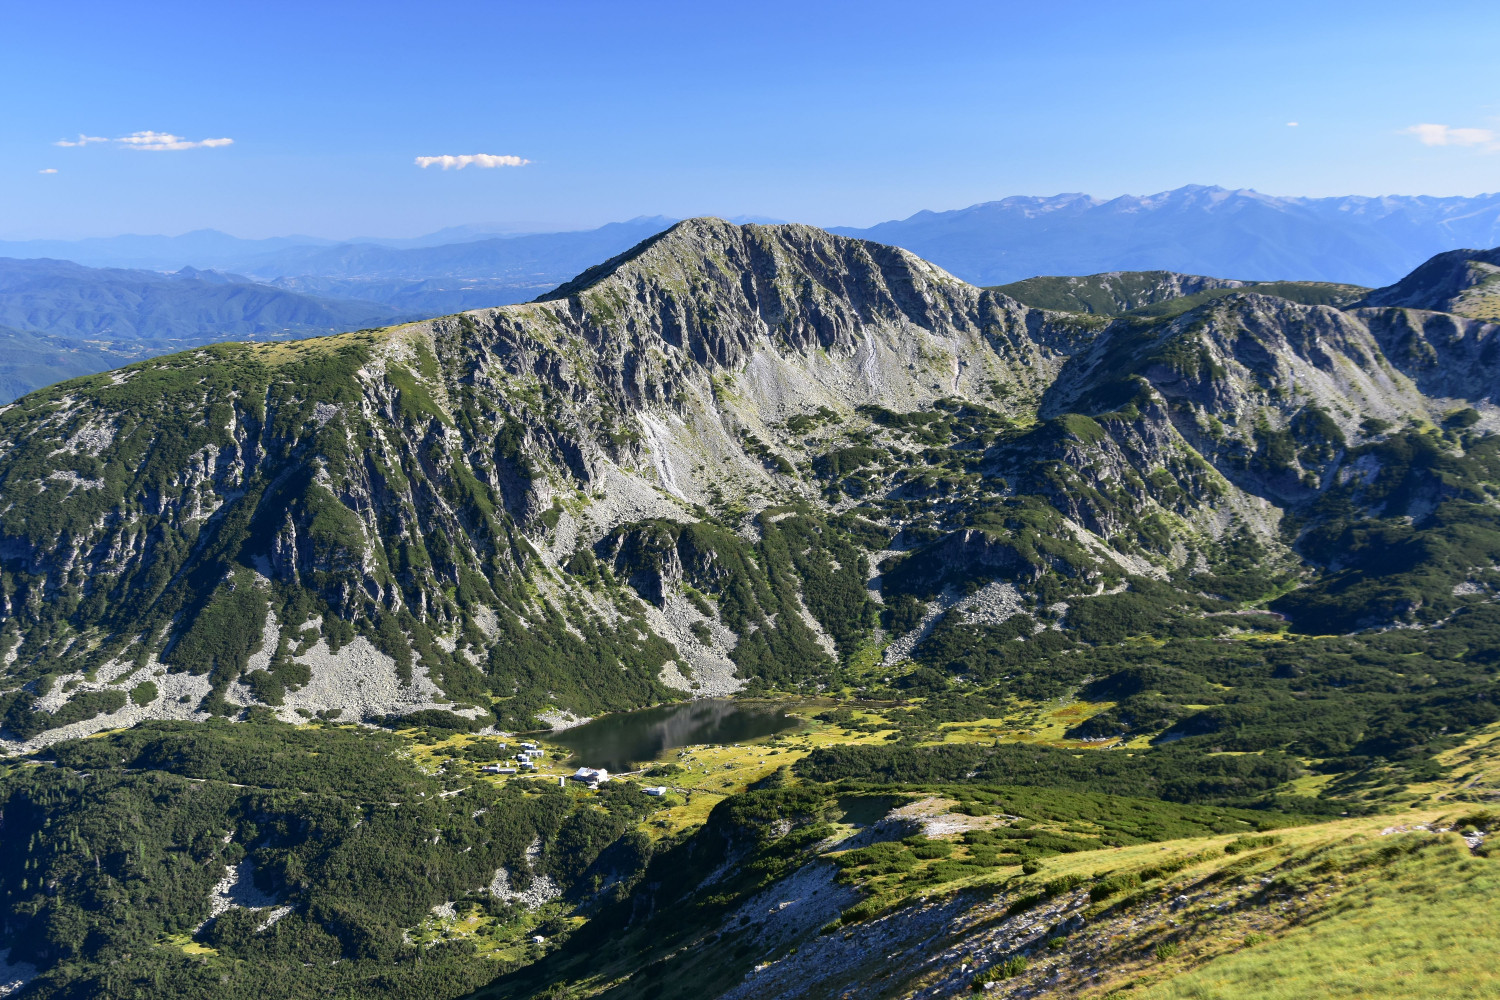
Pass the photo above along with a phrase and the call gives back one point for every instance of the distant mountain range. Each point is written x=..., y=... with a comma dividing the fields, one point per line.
x=59, y=319
x=29, y=361
x=472, y=274
x=1197, y=230
x=1239, y=234
x=462, y=267
x=207, y=248
x=221, y=287
x=281, y=255
x=210, y=248
x=61, y=298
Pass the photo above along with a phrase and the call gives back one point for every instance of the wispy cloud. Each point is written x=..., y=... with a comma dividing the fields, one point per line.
x=147, y=140
x=470, y=159
x=1292, y=124
x=166, y=141
x=48, y=170
x=1429, y=134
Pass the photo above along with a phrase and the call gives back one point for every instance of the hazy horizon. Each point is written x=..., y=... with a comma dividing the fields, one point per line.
x=507, y=229
x=339, y=122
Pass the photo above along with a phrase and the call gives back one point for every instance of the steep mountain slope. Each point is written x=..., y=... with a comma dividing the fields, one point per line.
x=1121, y=648
x=1376, y=905
x=679, y=472
x=386, y=479
x=1197, y=230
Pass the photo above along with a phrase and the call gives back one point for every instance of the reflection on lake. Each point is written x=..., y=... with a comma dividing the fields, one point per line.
x=619, y=741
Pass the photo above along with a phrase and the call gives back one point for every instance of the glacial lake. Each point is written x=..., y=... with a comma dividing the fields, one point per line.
x=619, y=742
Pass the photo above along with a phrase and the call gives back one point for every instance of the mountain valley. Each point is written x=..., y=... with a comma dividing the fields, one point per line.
x=1141, y=629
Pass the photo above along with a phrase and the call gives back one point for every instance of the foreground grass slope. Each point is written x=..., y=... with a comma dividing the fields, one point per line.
x=1420, y=924
x=1343, y=908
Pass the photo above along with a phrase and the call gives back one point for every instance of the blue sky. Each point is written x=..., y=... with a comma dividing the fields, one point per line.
x=830, y=113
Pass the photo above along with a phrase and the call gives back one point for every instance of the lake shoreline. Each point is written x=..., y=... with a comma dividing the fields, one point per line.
x=621, y=740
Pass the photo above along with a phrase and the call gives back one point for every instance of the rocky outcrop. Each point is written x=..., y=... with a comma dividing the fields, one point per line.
x=1462, y=282
x=1445, y=355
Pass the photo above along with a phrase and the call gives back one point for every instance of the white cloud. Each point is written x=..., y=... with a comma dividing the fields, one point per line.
x=1441, y=135
x=148, y=140
x=1291, y=124
x=48, y=170
x=475, y=159
x=166, y=141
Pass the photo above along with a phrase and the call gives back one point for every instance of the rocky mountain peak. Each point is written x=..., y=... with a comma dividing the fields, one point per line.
x=771, y=273
x=677, y=473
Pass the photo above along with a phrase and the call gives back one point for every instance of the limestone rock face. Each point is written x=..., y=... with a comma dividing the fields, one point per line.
x=691, y=459
x=1444, y=354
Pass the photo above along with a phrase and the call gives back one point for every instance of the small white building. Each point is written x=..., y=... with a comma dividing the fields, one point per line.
x=658, y=790
x=591, y=776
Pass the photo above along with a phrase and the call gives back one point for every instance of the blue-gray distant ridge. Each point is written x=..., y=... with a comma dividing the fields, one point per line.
x=1371, y=241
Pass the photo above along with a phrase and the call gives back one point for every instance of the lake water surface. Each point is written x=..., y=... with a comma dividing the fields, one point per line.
x=618, y=742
